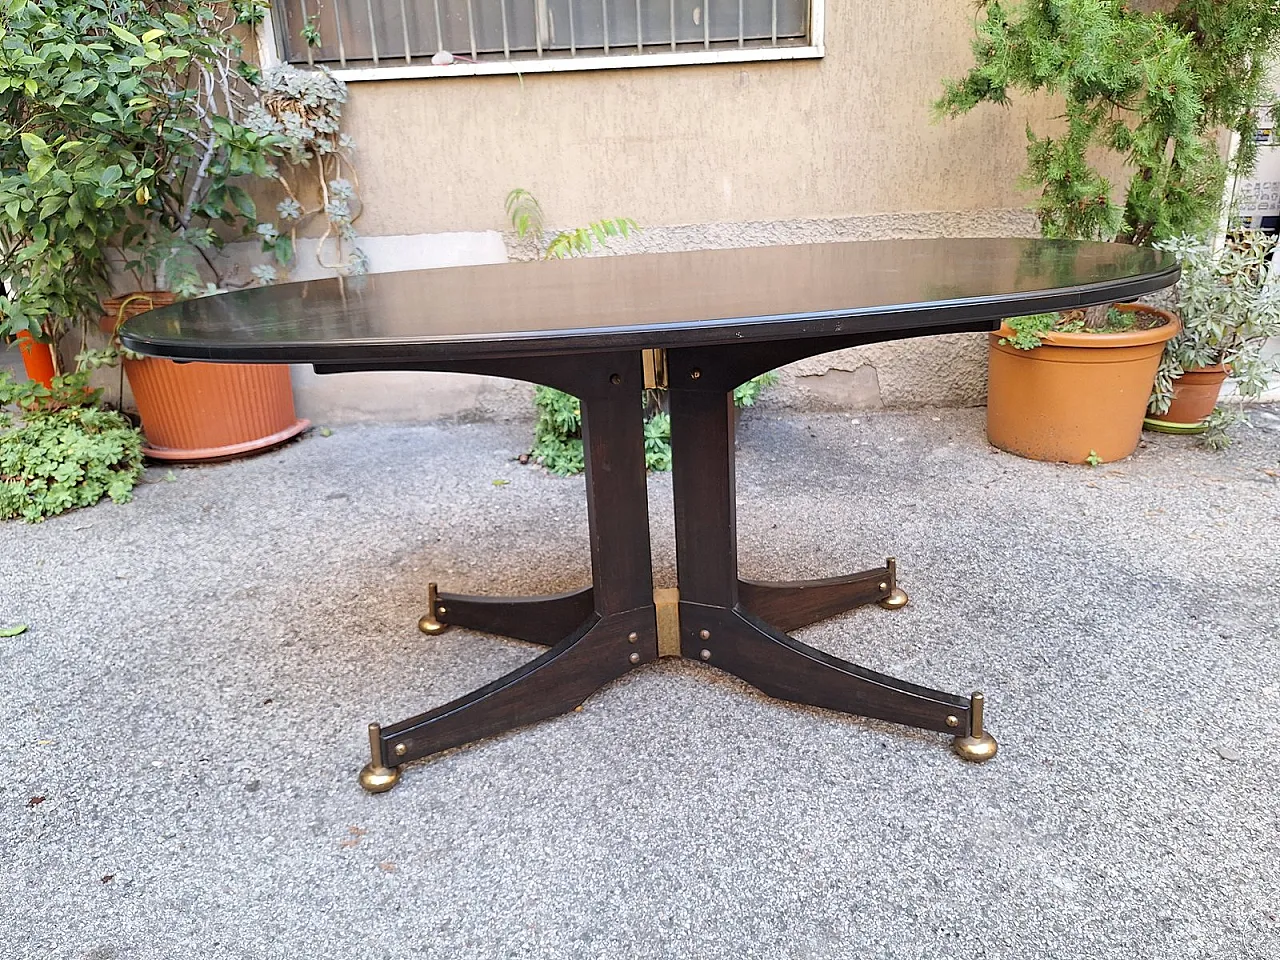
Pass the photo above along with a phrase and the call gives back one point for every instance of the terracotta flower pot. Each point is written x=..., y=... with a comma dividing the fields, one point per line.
x=1077, y=394
x=37, y=358
x=1195, y=394
x=205, y=411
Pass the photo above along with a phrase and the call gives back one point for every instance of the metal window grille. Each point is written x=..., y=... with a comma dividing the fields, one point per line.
x=358, y=34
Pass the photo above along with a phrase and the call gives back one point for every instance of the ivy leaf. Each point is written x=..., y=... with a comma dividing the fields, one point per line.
x=124, y=34
x=39, y=167
x=33, y=146
x=242, y=201
x=14, y=631
x=283, y=249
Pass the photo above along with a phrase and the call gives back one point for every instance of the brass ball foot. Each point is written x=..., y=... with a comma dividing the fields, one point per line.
x=431, y=626
x=975, y=749
x=896, y=600
x=377, y=779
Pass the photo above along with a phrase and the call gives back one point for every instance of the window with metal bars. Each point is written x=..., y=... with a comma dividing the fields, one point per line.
x=508, y=36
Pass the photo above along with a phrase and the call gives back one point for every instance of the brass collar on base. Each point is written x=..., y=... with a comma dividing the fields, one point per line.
x=667, y=602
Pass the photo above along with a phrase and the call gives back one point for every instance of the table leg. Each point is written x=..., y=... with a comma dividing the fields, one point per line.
x=544, y=620
x=725, y=621
x=790, y=605
x=618, y=631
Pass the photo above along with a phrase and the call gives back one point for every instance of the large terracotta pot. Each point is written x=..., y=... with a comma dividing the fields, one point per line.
x=1078, y=394
x=205, y=411
x=1195, y=394
x=37, y=359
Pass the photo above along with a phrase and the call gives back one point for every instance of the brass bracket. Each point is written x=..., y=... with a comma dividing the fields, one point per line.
x=667, y=602
x=655, y=368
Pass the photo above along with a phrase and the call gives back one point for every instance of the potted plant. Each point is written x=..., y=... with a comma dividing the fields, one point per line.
x=1228, y=311
x=144, y=147
x=1072, y=386
x=68, y=180
x=243, y=125
x=1155, y=84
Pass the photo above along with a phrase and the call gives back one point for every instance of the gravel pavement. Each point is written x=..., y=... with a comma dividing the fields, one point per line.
x=182, y=724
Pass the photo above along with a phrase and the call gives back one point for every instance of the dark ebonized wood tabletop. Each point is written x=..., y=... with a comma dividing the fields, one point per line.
x=695, y=298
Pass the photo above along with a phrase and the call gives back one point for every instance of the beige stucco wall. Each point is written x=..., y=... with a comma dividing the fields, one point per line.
x=704, y=156
x=846, y=135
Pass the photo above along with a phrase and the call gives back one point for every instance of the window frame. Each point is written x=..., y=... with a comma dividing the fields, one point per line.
x=271, y=50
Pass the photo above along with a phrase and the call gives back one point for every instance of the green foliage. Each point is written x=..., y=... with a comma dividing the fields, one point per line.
x=525, y=214
x=113, y=127
x=60, y=451
x=1153, y=86
x=302, y=109
x=1093, y=459
x=557, y=433
x=746, y=394
x=132, y=124
x=1028, y=331
x=657, y=442
x=1218, y=427
x=1228, y=312
x=310, y=32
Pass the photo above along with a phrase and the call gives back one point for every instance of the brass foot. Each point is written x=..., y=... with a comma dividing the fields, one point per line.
x=978, y=746
x=375, y=777
x=897, y=598
x=428, y=623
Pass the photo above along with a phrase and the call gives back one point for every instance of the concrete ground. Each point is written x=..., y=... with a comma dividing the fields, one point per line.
x=184, y=720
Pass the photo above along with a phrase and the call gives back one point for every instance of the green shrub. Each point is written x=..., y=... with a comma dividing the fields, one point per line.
x=1154, y=83
x=1027, y=330
x=557, y=433
x=59, y=451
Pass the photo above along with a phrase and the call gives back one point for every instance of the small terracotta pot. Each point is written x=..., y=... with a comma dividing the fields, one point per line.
x=1077, y=394
x=1195, y=394
x=204, y=411
x=37, y=359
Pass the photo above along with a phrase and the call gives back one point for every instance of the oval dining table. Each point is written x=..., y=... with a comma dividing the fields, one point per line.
x=699, y=324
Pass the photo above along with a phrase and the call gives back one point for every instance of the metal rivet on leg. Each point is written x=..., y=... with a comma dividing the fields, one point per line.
x=632, y=637
x=401, y=749
x=704, y=653
x=704, y=634
x=953, y=721
x=884, y=586
x=441, y=611
x=616, y=378
x=695, y=373
x=634, y=658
